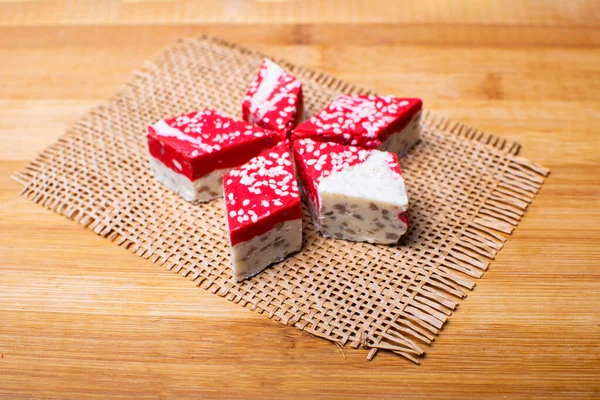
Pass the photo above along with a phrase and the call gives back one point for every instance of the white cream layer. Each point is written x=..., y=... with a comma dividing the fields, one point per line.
x=205, y=188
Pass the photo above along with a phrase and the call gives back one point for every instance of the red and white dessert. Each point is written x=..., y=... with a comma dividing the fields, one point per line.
x=190, y=153
x=264, y=215
x=385, y=123
x=354, y=194
x=274, y=99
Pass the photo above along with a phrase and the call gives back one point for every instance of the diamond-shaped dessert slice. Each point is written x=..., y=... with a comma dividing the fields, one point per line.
x=353, y=193
x=373, y=122
x=264, y=215
x=274, y=99
x=190, y=153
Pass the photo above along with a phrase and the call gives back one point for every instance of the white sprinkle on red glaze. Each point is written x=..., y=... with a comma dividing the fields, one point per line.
x=200, y=142
x=274, y=99
x=261, y=193
x=364, y=121
x=317, y=160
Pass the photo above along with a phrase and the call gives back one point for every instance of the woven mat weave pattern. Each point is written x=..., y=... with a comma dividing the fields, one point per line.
x=466, y=188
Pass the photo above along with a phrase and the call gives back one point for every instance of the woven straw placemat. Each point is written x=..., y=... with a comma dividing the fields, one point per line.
x=467, y=189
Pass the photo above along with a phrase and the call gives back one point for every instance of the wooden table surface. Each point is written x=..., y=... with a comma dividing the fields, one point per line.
x=83, y=318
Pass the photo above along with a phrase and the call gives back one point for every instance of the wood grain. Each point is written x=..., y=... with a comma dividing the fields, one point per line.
x=82, y=318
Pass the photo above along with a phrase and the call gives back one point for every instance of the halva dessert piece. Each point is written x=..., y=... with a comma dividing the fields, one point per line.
x=263, y=208
x=374, y=122
x=354, y=194
x=190, y=153
x=274, y=99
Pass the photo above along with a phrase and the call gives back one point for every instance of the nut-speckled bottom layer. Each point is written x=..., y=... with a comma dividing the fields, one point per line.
x=360, y=220
x=203, y=189
x=402, y=141
x=250, y=257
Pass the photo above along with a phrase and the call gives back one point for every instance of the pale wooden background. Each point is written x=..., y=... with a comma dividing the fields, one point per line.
x=82, y=318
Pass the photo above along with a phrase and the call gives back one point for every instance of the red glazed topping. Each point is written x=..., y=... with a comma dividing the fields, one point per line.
x=274, y=99
x=317, y=160
x=403, y=216
x=203, y=141
x=261, y=193
x=365, y=121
